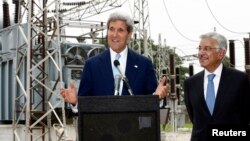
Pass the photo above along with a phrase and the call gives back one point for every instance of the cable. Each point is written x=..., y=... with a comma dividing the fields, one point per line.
x=220, y=23
x=174, y=24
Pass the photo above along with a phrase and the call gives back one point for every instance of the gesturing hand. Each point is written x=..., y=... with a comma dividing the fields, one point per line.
x=69, y=94
x=163, y=88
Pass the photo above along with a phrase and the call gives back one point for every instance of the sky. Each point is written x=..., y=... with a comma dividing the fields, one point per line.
x=180, y=22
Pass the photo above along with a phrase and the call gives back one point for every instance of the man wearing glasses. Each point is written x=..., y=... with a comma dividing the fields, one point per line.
x=218, y=96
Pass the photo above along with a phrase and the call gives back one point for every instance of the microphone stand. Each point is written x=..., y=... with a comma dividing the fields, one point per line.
x=124, y=78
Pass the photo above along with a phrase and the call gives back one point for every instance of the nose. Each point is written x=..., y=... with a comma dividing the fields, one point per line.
x=201, y=53
x=114, y=33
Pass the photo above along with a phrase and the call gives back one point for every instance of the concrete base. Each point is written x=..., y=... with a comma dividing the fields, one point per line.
x=175, y=136
x=6, y=133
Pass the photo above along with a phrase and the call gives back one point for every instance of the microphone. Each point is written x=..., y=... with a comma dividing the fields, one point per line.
x=124, y=78
x=118, y=79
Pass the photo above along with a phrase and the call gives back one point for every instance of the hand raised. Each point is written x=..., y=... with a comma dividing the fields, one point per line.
x=163, y=88
x=69, y=94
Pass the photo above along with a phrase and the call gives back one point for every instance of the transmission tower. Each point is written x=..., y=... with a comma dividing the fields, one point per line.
x=142, y=28
x=38, y=64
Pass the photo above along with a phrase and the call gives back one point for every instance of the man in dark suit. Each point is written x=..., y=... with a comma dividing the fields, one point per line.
x=97, y=78
x=231, y=90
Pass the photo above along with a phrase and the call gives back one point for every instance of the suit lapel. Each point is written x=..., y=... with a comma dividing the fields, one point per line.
x=222, y=89
x=132, y=64
x=200, y=88
x=131, y=69
x=106, y=68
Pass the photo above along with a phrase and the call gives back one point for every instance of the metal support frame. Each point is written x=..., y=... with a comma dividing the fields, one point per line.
x=141, y=28
x=40, y=26
x=35, y=54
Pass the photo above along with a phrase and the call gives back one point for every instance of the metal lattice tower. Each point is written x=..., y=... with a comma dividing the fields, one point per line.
x=38, y=72
x=142, y=42
x=36, y=55
x=141, y=28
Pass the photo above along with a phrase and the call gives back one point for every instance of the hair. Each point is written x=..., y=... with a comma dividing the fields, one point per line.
x=221, y=40
x=123, y=17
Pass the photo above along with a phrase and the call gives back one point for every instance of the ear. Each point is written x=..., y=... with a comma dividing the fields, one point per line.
x=222, y=53
x=129, y=37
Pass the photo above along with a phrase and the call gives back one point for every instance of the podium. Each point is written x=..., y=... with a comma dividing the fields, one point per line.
x=118, y=118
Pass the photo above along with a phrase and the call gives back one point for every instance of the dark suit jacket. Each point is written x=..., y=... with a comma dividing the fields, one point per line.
x=97, y=77
x=232, y=104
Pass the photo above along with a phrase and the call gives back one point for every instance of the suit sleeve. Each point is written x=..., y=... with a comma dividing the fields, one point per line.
x=245, y=99
x=187, y=100
x=152, y=80
x=85, y=87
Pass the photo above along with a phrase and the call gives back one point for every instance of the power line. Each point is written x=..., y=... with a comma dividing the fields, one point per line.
x=175, y=25
x=220, y=23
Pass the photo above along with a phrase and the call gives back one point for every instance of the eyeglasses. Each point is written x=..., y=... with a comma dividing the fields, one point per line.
x=206, y=48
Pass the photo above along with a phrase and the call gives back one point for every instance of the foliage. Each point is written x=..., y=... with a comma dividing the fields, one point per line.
x=169, y=127
x=226, y=61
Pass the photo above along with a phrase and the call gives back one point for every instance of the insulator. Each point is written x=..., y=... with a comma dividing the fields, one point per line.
x=232, y=53
x=54, y=23
x=247, y=51
x=178, y=96
x=191, y=70
x=16, y=12
x=6, y=16
x=177, y=75
x=172, y=85
x=135, y=36
x=171, y=59
x=17, y=1
x=164, y=73
x=172, y=76
x=82, y=3
x=40, y=39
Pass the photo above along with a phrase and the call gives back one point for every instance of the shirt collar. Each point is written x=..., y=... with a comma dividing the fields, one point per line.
x=123, y=53
x=217, y=72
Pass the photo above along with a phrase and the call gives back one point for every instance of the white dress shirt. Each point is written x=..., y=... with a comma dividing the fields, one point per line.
x=123, y=62
x=216, y=79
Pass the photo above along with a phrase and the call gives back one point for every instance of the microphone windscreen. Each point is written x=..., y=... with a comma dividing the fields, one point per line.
x=116, y=63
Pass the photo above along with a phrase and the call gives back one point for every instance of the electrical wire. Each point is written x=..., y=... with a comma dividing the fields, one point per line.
x=169, y=17
x=220, y=23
